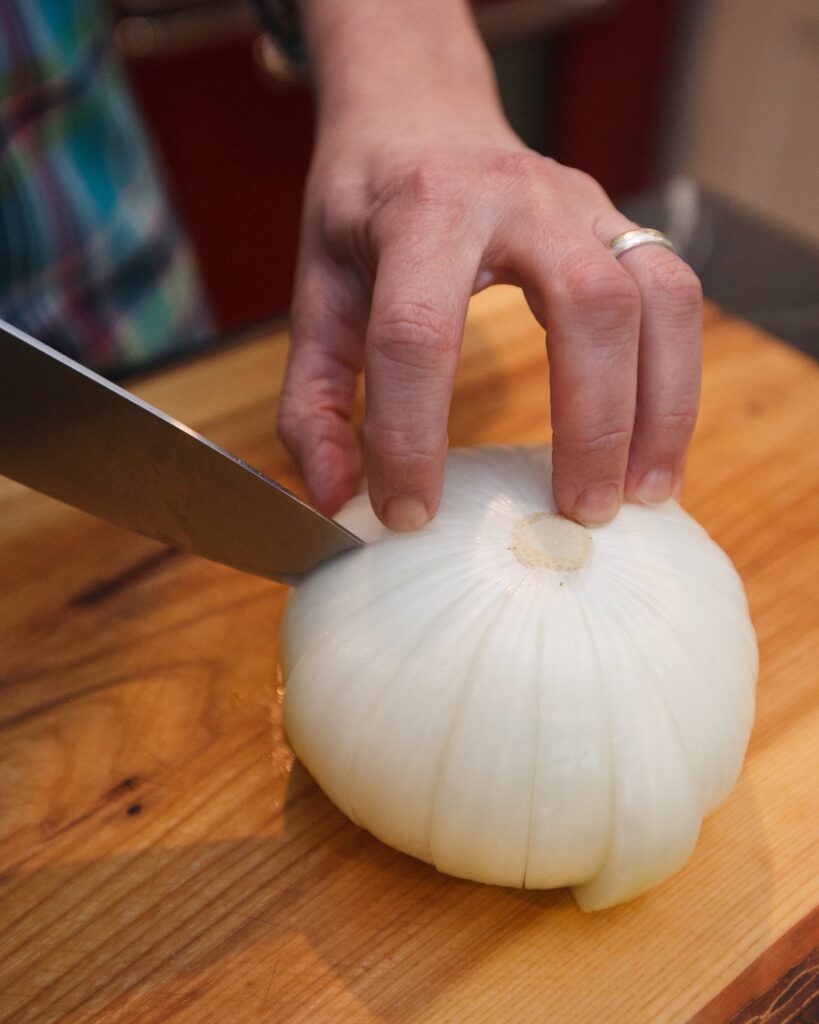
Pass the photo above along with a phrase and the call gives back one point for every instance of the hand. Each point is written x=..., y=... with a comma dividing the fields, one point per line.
x=413, y=205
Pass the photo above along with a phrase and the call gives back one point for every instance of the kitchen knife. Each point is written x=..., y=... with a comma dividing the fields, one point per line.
x=71, y=434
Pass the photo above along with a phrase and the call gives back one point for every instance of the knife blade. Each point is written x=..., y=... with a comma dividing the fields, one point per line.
x=71, y=434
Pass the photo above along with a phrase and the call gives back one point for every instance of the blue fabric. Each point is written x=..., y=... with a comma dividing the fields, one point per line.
x=92, y=259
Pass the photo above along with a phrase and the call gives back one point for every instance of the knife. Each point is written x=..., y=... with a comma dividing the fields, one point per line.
x=73, y=435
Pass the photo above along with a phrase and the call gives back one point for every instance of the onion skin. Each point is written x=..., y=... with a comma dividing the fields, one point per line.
x=518, y=704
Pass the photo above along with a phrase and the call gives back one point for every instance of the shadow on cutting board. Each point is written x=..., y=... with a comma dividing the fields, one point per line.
x=317, y=921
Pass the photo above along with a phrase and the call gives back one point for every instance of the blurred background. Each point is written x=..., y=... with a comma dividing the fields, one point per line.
x=699, y=117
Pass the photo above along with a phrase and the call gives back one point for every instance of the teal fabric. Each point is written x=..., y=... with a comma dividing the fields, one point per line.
x=94, y=261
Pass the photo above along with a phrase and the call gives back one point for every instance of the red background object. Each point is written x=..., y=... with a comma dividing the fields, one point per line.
x=236, y=148
x=611, y=89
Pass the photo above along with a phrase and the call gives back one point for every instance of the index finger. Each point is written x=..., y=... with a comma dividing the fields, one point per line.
x=420, y=298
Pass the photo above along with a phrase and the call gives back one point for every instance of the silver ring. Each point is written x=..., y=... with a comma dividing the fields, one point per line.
x=638, y=236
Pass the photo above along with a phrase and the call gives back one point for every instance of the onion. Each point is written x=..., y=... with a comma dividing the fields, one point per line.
x=516, y=699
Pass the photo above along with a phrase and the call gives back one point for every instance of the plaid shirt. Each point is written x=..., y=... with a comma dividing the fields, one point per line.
x=92, y=260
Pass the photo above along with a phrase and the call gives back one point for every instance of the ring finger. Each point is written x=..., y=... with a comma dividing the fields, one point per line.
x=669, y=363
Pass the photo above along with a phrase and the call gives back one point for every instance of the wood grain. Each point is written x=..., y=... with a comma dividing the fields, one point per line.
x=163, y=859
x=780, y=987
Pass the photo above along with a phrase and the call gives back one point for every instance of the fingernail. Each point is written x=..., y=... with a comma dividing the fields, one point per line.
x=597, y=504
x=655, y=486
x=405, y=514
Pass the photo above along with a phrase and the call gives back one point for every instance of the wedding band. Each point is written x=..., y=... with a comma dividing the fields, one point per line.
x=638, y=236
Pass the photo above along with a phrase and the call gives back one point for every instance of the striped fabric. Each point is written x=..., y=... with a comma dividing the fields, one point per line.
x=92, y=260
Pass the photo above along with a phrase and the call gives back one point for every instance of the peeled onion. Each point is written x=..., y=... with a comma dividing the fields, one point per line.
x=516, y=699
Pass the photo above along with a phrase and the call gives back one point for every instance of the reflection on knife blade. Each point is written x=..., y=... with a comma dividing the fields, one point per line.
x=69, y=433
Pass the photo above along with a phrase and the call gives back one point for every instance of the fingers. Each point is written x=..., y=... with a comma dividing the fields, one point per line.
x=594, y=324
x=326, y=356
x=624, y=340
x=421, y=293
x=591, y=309
x=668, y=382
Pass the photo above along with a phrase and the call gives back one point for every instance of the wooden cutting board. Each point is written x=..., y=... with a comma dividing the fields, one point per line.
x=163, y=859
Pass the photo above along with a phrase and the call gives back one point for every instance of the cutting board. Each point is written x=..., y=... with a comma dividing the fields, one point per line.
x=163, y=859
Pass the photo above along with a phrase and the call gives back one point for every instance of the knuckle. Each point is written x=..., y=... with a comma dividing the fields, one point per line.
x=528, y=179
x=427, y=182
x=292, y=414
x=288, y=425
x=603, y=291
x=586, y=185
x=403, y=447
x=415, y=335
x=312, y=403
x=521, y=165
x=675, y=425
x=537, y=177
x=422, y=182
x=423, y=195
x=604, y=442
x=676, y=283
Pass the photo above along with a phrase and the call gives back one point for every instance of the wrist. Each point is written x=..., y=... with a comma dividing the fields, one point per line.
x=403, y=58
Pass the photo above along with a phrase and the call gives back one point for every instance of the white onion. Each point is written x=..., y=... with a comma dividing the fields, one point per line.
x=518, y=700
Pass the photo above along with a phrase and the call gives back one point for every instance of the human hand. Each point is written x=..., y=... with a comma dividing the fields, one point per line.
x=414, y=204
